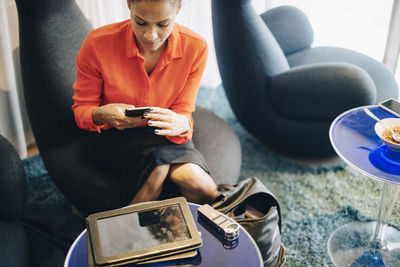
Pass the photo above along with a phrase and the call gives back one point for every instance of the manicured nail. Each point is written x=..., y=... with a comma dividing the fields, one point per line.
x=149, y=123
x=143, y=117
x=156, y=131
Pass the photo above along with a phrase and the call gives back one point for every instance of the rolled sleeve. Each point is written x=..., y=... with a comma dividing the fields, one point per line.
x=185, y=102
x=88, y=87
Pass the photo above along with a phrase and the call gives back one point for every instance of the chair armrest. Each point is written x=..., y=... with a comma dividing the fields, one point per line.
x=291, y=28
x=321, y=91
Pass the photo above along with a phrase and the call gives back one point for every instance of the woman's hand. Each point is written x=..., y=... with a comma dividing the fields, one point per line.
x=172, y=123
x=114, y=114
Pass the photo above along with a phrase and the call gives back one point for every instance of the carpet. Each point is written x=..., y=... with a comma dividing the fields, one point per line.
x=315, y=199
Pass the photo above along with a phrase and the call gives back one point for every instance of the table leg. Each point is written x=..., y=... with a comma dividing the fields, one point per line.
x=388, y=199
x=369, y=243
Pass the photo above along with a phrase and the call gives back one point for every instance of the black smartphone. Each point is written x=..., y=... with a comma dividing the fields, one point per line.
x=136, y=112
x=392, y=105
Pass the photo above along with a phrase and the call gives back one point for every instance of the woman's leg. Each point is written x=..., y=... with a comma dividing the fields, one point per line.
x=195, y=184
x=152, y=188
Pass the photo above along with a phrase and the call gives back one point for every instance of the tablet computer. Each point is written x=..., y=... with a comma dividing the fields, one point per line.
x=142, y=232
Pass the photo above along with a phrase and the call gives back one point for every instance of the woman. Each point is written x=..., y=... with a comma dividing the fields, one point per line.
x=147, y=61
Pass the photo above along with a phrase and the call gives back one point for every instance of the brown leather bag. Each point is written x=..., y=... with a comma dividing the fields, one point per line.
x=257, y=210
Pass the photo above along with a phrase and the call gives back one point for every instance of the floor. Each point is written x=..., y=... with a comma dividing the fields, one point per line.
x=33, y=150
x=332, y=161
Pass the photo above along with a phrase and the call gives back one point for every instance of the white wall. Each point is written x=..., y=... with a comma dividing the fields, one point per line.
x=360, y=25
x=13, y=118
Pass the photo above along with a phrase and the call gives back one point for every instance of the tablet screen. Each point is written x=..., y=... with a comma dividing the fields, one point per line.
x=142, y=229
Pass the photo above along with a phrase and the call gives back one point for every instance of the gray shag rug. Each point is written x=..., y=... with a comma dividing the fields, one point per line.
x=315, y=199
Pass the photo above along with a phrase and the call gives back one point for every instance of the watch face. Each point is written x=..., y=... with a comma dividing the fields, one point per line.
x=232, y=228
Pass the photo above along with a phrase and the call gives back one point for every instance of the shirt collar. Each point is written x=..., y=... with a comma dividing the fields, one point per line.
x=174, y=47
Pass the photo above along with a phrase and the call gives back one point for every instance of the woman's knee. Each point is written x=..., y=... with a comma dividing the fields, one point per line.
x=159, y=174
x=161, y=170
x=193, y=177
x=186, y=173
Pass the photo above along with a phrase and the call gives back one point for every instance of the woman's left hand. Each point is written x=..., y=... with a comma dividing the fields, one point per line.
x=171, y=123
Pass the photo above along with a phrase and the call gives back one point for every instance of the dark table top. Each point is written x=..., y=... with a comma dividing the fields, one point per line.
x=212, y=252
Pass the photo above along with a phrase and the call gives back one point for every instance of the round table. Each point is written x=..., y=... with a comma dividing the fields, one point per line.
x=211, y=253
x=373, y=243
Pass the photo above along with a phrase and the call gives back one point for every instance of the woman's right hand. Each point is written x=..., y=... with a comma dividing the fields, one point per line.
x=114, y=114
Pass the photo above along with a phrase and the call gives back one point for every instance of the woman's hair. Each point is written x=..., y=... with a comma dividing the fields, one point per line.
x=178, y=3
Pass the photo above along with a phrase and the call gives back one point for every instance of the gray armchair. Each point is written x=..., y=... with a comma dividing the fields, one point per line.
x=14, y=246
x=283, y=91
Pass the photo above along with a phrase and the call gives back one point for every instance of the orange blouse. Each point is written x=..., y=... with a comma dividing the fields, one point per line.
x=110, y=69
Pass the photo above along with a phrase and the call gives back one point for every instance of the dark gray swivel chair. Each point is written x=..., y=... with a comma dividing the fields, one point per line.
x=14, y=247
x=51, y=34
x=283, y=91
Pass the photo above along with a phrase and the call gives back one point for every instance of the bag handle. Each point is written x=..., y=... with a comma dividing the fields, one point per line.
x=241, y=191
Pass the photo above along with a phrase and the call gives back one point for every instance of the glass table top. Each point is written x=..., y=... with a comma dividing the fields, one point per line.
x=354, y=139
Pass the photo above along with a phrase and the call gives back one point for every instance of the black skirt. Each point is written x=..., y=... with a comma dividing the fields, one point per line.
x=132, y=154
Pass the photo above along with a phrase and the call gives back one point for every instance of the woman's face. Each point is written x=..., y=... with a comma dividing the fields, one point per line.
x=152, y=22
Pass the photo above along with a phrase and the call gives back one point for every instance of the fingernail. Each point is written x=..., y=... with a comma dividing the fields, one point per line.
x=143, y=117
x=149, y=123
x=156, y=131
